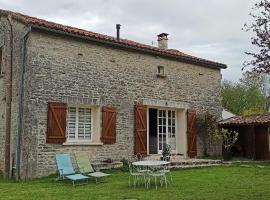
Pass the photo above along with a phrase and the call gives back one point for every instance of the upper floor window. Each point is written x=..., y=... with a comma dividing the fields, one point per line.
x=79, y=124
x=161, y=72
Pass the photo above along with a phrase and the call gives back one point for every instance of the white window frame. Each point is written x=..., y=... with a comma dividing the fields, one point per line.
x=77, y=123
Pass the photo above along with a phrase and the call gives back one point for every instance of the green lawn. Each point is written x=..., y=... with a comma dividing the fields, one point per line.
x=250, y=181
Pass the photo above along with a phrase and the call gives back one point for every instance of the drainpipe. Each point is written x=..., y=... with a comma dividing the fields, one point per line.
x=21, y=108
x=8, y=77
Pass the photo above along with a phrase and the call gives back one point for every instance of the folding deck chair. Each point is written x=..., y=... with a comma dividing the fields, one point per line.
x=66, y=170
x=86, y=168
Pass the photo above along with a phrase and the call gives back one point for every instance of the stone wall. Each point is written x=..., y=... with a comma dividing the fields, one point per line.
x=18, y=31
x=66, y=69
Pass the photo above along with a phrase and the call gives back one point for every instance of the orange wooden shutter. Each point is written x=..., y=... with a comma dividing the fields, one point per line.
x=192, y=133
x=108, y=135
x=140, y=129
x=57, y=113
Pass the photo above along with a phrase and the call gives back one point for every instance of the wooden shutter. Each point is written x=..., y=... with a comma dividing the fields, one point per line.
x=192, y=133
x=108, y=135
x=140, y=129
x=57, y=113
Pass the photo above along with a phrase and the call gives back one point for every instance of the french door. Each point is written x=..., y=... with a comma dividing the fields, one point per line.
x=166, y=129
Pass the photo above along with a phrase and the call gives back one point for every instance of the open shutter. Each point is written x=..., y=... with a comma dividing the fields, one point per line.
x=108, y=135
x=56, y=130
x=140, y=129
x=192, y=133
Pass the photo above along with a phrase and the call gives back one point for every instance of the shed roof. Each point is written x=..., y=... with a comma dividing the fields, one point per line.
x=259, y=119
x=113, y=40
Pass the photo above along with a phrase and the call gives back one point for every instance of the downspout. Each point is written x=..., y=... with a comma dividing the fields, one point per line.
x=21, y=108
x=8, y=77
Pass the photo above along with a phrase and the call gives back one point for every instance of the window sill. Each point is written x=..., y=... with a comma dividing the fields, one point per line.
x=82, y=144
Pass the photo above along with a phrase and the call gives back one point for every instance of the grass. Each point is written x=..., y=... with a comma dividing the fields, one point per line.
x=237, y=181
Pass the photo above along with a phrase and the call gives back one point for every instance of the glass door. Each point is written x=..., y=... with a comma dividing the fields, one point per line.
x=162, y=124
x=166, y=129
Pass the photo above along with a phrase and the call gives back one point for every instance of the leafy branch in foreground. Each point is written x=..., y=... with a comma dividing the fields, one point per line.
x=261, y=27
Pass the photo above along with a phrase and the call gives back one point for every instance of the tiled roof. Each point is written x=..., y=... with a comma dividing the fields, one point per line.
x=246, y=120
x=113, y=40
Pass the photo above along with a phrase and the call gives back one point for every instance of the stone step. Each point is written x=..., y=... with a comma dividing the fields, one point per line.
x=106, y=165
x=192, y=166
x=195, y=162
x=177, y=161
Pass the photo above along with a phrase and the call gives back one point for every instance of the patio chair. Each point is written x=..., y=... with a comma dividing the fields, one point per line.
x=66, y=170
x=156, y=173
x=86, y=168
x=165, y=169
x=136, y=175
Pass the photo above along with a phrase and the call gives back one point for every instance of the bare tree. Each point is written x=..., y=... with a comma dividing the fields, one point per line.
x=261, y=27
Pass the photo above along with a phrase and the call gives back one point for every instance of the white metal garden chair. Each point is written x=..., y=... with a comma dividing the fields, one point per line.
x=136, y=176
x=156, y=173
x=165, y=169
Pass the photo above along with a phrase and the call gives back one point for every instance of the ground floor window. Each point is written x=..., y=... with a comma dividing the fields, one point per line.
x=79, y=123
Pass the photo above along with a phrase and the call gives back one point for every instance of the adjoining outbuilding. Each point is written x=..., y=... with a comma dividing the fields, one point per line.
x=254, y=135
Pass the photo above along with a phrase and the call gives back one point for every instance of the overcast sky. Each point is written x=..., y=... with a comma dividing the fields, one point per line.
x=209, y=29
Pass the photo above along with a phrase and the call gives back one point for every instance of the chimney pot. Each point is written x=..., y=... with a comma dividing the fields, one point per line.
x=118, y=31
x=163, y=40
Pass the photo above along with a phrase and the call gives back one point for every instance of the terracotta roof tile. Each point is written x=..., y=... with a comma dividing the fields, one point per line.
x=128, y=43
x=246, y=120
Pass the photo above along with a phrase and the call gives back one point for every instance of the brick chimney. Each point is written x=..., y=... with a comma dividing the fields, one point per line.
x=163, y=40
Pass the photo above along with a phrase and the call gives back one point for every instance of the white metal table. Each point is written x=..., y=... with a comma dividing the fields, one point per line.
x=150, y=163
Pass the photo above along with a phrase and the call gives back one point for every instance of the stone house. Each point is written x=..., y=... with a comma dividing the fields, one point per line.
x=64, y=89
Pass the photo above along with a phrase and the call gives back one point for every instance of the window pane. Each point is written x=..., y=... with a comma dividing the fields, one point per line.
x=160, y=121
x=160, y=129
x=173, y=114
x=173, y=131
x=164, y=129
x=71, y=123
x=169, y=114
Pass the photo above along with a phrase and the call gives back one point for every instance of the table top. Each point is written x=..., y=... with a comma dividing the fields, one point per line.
x=150, y=163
